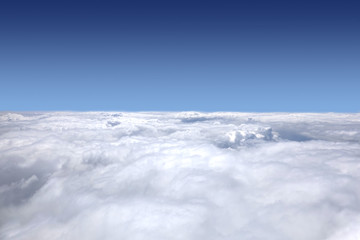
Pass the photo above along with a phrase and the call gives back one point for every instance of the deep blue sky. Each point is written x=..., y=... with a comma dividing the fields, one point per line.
x=180, y=55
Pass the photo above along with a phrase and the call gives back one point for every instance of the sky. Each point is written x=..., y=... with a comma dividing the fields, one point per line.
x=258, y=56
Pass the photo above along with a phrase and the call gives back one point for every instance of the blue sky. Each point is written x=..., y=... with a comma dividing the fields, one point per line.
x=180, y=55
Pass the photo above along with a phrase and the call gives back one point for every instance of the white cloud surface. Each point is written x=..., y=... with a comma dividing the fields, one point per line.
x=179, y=176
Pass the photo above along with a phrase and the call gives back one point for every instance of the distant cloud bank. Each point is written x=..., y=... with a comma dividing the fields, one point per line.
x=181, y=175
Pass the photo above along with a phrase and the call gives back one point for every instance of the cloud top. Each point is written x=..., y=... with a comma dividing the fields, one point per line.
x=185, y=175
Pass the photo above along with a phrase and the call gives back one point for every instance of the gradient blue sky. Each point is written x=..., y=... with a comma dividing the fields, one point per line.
x=180, y=55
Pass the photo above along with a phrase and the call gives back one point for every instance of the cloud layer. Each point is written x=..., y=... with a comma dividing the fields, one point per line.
x=183, y=175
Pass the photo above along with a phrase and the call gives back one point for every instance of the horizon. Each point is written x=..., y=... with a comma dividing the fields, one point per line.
x=156, y=111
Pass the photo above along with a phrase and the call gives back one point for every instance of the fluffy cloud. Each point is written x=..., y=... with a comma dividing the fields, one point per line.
x=179, y=176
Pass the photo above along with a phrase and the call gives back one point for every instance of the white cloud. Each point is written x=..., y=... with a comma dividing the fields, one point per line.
x=179, y=176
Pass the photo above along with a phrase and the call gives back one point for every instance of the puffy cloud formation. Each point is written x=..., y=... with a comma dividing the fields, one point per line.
x=179, y=176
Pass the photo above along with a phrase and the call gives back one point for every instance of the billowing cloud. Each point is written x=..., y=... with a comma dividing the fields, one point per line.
x=179, y=176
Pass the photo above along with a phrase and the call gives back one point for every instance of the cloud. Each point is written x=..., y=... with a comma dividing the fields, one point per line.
x=102, y=175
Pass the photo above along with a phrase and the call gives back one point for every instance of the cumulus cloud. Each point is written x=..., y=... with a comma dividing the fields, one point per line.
x=187, y=175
